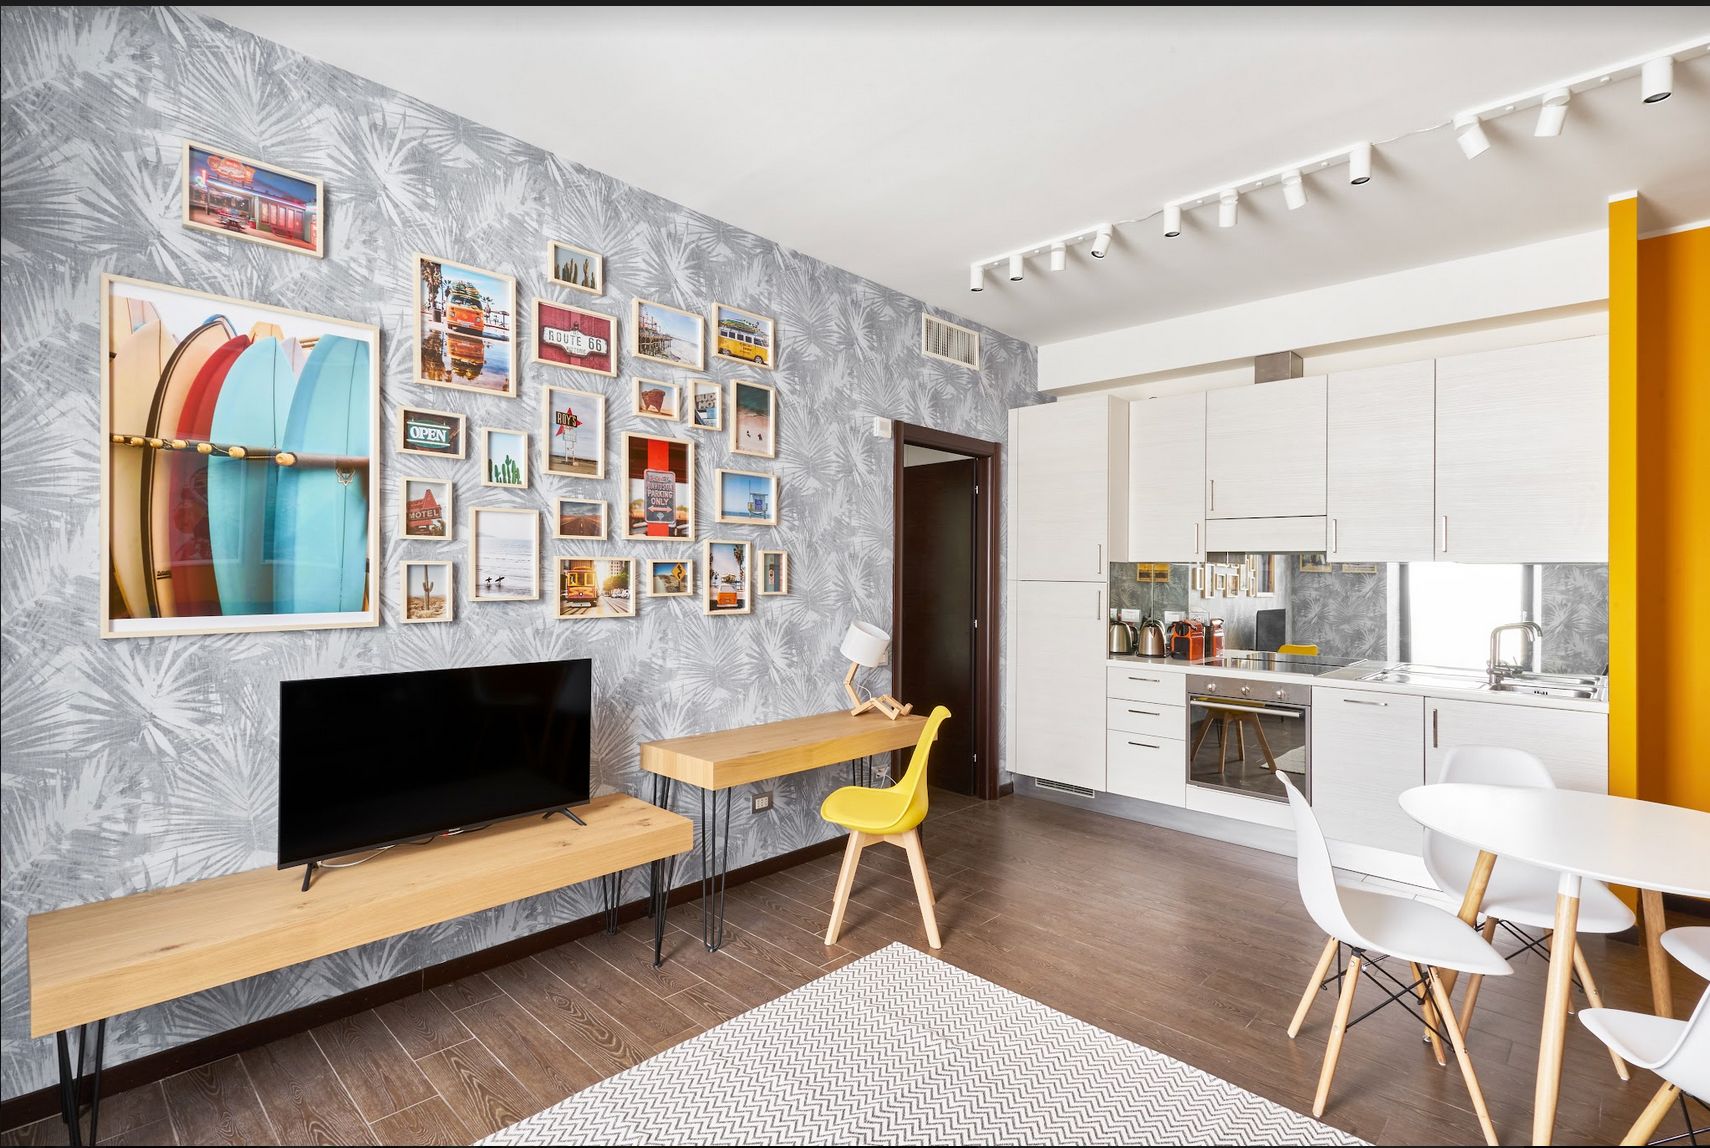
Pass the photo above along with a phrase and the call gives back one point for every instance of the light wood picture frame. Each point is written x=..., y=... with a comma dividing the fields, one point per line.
x=510, y=470
x=466, y=327
x=220, y=194
x=727, y=586
x=425, y=510
x=753, y=419
x=418, y=581
x=649, y=462
x=587, y=520
x=574, y=338
x=573, y=433
x=706, y=405
x=435, y=434
x=575, y=268
x=745, y=337
x=670, y=577
x=590, y=588
x=774, y=574
x=501, y=540
x=663, y=334
x=657, y=399
x=748, y=497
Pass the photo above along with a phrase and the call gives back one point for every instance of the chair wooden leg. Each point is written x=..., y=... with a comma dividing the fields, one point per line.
x=1199, y=740
x=1651, y=906
x=1265, y=745
x=1473, y=983
x=1595, y=999
x=1312, y=986
x=922, y=886
x=1446, y=1010
x=1640, y=1132
x=1241, y=740
x=1429, y=1008
x=845, y=882
x=1338, y=1029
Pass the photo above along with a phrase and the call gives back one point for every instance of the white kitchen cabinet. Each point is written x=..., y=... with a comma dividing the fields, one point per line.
x=1121, y=715
x=1265, y=449
x=1368, y=748
x=1523, y=454
x=1166, y=471
x=1150, y=768
x=1381, y=461
x=1069, y=476
x=1057, y=665
x=1572, y=744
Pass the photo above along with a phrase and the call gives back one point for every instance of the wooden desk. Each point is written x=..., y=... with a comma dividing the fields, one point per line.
x=91, y=962
x=732, y=757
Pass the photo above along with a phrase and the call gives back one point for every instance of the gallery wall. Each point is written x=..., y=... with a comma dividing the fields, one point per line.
x=136, y=763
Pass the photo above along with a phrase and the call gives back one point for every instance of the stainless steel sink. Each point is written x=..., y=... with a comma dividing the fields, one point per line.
x=1577, y=686
x=1549, y=686
x=1440, y=677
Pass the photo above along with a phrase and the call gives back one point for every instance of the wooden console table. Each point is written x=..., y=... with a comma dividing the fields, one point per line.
x=92, y=962
x=732, y=757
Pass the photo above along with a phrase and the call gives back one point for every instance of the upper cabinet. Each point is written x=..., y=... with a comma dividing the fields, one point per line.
x=1523, y=454
x=1381, y=447
x=1265, y=450
x=1069, y=470
x=1166, y=491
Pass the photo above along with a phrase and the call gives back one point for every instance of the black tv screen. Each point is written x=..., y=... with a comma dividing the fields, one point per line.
x=382, y=758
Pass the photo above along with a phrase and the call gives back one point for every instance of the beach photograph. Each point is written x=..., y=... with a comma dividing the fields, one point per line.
x=662, y=334
x=747, y=496
x=727, y=578
x=659, y=488
x=244, y=198
x=464, y=327
x=581, y=518
x=670, y=578
x=742, y=336
x=505, y=454
x=596, y=588
x=774, y=573
x=427, y=509
x=576, y=268
x=427, y=592
x=753, y=427
x=504, y=554
x=706, y=408
x=566, y=336
x=575, y=430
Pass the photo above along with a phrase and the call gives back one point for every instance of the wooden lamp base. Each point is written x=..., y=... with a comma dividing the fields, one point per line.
x=884, y=703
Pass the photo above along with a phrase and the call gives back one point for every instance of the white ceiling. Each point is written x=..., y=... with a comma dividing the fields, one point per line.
x=904, y=143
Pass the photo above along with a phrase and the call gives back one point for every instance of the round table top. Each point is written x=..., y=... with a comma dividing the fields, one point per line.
x=1665, y=848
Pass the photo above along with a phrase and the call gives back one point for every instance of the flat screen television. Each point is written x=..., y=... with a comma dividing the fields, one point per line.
x=385, y=758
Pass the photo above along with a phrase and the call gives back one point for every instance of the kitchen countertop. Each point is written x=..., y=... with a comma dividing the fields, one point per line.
x=1348, y=678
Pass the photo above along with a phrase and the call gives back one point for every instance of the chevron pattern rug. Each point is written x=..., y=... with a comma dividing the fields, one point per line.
x=967, y=1062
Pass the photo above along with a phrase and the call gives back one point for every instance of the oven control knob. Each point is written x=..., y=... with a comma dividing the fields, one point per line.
x=1282, y=694
x=1245, y=690
x=1210, y=687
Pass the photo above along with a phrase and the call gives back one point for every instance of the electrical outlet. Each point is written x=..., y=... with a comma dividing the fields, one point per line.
x=762, y=802
x=881, y=427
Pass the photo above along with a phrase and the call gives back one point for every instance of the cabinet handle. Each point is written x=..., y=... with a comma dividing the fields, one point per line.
x=1364, y=702
x=1132, y=678
x=1434, y=716
x=1196, y=539
x=1098, y=605
x=1098, y=567
x=1143, y=744
x=1145, y=713
x=1444, y=545
x=1214, y=494
x=1333, y=537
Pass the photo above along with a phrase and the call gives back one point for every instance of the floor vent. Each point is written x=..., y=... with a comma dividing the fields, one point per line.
x=947, y=341
x=1061, y=787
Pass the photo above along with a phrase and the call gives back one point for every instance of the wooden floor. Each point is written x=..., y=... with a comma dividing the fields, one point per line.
x=1191, y=947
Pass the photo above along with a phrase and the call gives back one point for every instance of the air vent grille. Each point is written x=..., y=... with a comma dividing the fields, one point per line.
x=1063, y=787
x=947, y=341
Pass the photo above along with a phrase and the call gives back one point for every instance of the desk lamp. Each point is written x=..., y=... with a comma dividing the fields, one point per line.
x=865, y=646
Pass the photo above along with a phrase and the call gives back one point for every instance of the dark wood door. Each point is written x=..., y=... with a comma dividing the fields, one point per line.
x=935, y=656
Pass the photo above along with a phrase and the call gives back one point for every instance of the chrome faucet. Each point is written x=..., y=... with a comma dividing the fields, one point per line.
x=1533, y=651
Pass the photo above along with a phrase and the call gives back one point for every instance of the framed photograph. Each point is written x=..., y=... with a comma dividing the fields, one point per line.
x=595, y=588
x=726, y=590
x=202, y=533
x=774, y=573
x=465, y=327
x=743, y=337
x=575, y=267
x=662, y=334
x=670, y=577
x=1151, y=571
x=234, y=196
x=754, y=419
x=568, y=336
x=1313, y=564
x=427, y=592
x=658, y=400
x=746, y=496
x=581, y=518
x=427, y=508
x=1357, y=567
x=504, y=458
x=504, y=554
x=706, y=405
x=574, y=430
x=659, y=488
x=439, y=434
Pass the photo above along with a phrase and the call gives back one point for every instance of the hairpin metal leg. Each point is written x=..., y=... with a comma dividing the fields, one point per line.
x=715, y=860
x=71, y=1084
x=611, y=895
x=665, y=873
x=656, y=905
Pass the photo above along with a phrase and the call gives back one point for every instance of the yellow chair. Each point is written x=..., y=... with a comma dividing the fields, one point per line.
x=1305, y=649
x=889, y=815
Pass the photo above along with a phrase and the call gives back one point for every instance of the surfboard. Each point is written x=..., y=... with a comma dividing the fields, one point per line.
x=195, y=593
x=253, y=405
x=167, y=407
x=128, y=315
x=321, y=529
x=262, y=329
x=133, y=374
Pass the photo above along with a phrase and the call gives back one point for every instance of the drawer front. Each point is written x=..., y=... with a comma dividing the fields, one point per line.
x=1147, y=718
x=1152, y=769
x=1142, y=683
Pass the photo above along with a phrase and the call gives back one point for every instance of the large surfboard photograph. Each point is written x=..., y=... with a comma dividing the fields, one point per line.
x=240, y=490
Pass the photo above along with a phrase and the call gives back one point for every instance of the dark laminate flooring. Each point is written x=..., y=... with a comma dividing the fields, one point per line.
x=1192, y=947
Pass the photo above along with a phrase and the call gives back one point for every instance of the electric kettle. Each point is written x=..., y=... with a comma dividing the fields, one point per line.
x=1152, y=644
x=1121, y=637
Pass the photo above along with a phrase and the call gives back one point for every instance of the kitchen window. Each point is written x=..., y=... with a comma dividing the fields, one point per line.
x=1448, y=609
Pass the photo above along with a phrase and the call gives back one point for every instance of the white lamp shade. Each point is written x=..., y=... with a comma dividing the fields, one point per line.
x=865, y=645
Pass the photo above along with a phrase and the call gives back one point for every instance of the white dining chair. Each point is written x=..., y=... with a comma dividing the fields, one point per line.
x=1375, y=924
x=1519, y=896
x=1690, y=945
x=1676, y=1050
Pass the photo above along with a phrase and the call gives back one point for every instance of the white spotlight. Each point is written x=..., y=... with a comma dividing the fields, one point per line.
x=1293, y=191
x=1015, y=268
x=1552, y=113
x=1172, y=220
x=1100, y=243
x=1657, y=79
x=976, y=277
x=1228, y=208
x=1360, y=164
x=1470, y=136
x=1059, y=256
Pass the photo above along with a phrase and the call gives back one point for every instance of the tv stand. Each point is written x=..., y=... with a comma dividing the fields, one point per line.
x=309, y=874
x=547, y=816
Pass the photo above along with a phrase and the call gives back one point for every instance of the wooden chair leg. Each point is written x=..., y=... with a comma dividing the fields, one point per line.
x=1640, y=1132
x=1241, y=740
x=1474, y=980
x=1312, y=986
x=1338, y=1029
x=1264, y=744
x=1446, y=1010
x=1430, y=1010
x=1199, y=739
x=845, y=882
x=1595, y=999
x=1223, y=747
x=922, y=886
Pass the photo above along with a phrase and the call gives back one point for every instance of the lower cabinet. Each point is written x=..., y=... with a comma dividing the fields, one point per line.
x=1147, y=767
x=1367, y=749
x=1572, y=744
x=1057, y=665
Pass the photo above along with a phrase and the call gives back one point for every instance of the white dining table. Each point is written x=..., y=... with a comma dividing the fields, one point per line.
x=1654, y=848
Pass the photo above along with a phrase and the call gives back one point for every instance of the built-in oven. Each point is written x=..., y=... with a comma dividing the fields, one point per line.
x=1243, y=733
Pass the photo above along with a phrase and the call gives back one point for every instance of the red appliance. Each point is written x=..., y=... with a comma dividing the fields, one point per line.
x=1214, y=638
x=1187, y=640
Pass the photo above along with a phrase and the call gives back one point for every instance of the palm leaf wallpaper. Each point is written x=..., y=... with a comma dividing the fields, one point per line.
x=145, y=762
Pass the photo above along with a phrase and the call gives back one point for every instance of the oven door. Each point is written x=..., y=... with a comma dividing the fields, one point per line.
x=1239, y=747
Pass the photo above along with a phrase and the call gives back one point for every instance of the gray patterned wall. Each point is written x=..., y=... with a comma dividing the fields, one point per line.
x=147, y=762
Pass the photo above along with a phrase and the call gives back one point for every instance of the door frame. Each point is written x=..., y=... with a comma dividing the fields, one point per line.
x=988, y=472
